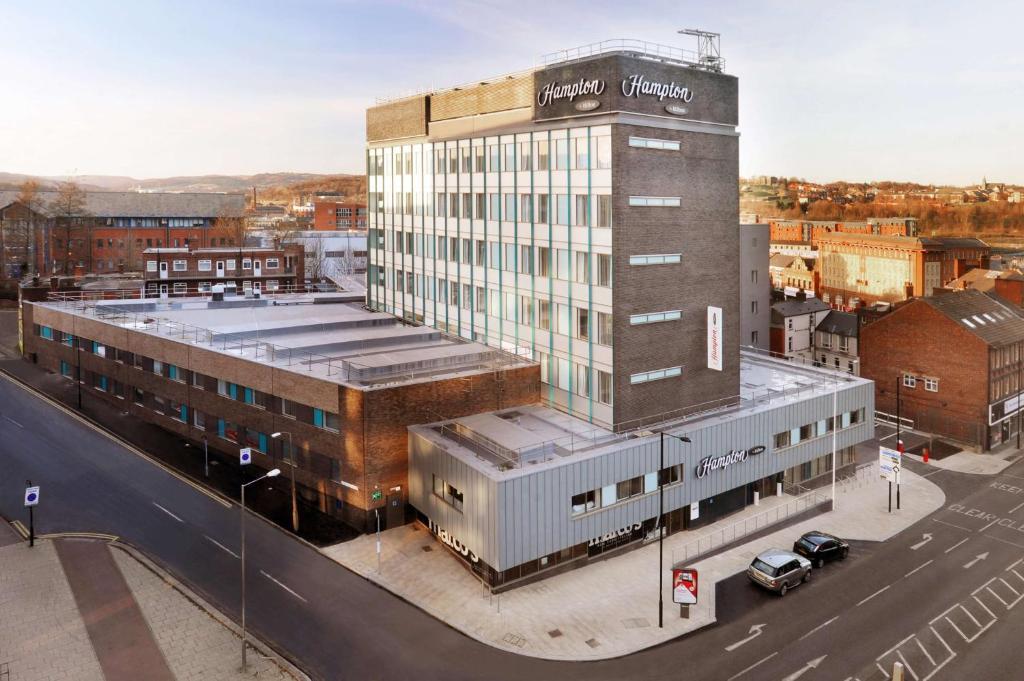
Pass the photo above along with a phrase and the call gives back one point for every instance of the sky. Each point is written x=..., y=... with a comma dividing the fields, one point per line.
x=931, y=92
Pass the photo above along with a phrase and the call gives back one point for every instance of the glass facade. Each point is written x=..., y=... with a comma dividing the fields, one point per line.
x=505, y=240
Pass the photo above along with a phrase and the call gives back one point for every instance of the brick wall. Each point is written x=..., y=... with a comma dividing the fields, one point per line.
x=920, y=340
x=395, y=120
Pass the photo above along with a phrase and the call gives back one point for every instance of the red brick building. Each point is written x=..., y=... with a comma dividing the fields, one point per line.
x=181, y=271
x=959, y=358
x=114, y=228
x=339, y=215
x=785, y=230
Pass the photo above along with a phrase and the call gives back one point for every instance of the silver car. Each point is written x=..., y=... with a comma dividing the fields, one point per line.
x=779, y=570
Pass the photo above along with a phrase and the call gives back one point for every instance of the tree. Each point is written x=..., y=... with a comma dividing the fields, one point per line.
x=68, y=208
x=24, y=236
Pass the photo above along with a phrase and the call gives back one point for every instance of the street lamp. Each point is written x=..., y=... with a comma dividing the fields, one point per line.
x=899, y=440
x=291, y=462
x=270, y=474
x=661, y=530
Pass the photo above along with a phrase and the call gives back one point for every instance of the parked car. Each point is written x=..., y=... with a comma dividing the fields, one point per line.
x=779, y=570
x=819, y=547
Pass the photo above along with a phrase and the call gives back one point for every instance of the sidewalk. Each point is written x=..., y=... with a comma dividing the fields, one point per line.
x=609, y=608
x=87, y=610
x=988, y=463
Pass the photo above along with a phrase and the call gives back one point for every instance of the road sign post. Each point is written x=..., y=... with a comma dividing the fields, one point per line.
x=245, y=456
x=889, y=463
x=31, y=501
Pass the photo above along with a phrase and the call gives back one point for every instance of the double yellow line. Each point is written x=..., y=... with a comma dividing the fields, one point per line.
x=116, y=439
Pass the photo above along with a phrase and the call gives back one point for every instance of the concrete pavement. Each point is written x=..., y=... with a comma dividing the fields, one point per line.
x=88, y=610
x=609, y=608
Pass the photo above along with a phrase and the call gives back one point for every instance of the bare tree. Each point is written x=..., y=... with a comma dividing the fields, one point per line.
x=68, y=208
x=316, y=258
x=24, y=235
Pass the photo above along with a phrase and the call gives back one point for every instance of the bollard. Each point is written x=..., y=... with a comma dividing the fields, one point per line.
x=897, y=671
x=925, y=455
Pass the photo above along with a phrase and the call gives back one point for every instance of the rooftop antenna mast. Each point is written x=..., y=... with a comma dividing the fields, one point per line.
x=709, y=49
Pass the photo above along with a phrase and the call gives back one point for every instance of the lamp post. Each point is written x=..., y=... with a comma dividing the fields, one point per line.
x=206, y=458
x=661, y=530
x=899, y=439
x=291, y=462
x=270, y=474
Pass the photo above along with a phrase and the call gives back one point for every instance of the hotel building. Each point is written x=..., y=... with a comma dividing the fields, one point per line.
x=578, y=214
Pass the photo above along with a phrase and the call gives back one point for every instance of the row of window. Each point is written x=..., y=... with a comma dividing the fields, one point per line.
x=207, y=265
x=610, y=495
x=656, y=259
x=561, y=209
x=560, y=263
x=569, y=154
x=294, y=410
x=930, y=384
x=181, y=288
x=157, y=222
x=795, y=436
x=449, y=494
x=656, y=375
x=574, y=377
x=654, y=317
x=149, y=243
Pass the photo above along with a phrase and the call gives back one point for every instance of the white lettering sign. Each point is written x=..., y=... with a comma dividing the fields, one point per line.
x=714, y=463
x=715, y=338
x=889, y=461
x=629, y=529
x=452, y=542
x=555, y=90
x=634, y=86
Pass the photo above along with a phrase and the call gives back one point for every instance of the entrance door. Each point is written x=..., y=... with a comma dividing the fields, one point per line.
x=163, y=290
x=163, y=270
x=256, y=288
x=220, y=268
x=256, y=268
x=396, y=509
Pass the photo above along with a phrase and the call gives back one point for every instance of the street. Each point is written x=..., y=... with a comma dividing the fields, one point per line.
x=940, y=597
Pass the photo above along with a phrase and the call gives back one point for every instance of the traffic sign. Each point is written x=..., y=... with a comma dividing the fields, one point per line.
x=889, y=464
x=684, y=586
x=32, y=496
x=376, y=495
x=245, y=456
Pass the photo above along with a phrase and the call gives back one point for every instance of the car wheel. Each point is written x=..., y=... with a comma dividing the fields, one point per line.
x=845, y=552
x=819, y=563
x=783, y=589
x=807, y=576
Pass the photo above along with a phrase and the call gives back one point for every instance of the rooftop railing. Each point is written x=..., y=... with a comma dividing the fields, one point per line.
x=636, y=48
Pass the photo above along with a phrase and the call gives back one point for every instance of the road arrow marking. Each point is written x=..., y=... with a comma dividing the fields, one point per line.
x=979, y=557
x=755, y=631
x=925, y=538
x=813, y=664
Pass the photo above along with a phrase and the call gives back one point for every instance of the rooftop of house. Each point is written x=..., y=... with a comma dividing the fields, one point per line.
x=839, y=322
x=909, y=242
x=144, y=204
x=984, y=280
x=995, y=322
x=321, y=335
x=793, y=308
x=519, y=441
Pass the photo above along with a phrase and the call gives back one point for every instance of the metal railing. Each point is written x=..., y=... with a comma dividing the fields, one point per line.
x=638, y=48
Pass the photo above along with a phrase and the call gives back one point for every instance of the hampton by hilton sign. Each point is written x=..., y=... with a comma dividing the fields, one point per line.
x=633, y=86
x=714, y=463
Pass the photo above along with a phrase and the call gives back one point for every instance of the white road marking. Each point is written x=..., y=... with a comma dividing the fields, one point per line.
x=980, y=557
x=761, y=661
x=887, y=437
x=990, y=524
x=1006, y=541
x=925, y=538
x=221, y=545
x=168, y=512
x=283, y=586
x=952, y=525
x=1015, y=564
x=956, y=544
x=928, y=475
x=919, y=567
x=755, y=631
x=819, y=627
x=13, y=421
x=1016, y=507
x=884, y=588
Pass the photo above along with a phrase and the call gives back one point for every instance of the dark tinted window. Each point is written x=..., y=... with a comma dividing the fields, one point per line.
x=807, y=544
x=764, y=567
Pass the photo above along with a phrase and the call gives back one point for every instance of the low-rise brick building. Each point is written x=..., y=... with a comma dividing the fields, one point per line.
x=343, y=381
x=339, y=215
x=183, y=271
x=958, y=358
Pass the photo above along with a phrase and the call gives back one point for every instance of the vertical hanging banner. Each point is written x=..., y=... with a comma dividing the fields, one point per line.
x=715, y=338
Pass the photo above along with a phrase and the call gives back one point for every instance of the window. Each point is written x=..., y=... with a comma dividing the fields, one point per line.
x=652, y=317
x=586, y=501
x=753, y=337
x=651, y=143
x=561, y=154
x=826, y=340
x=930, y=384
x=670, y=475
x=229, y=264
x=604, y=269
x=652, y=201
x=204, y=266
x=151, y=265
x=844, y=343
x=543, y=261
x=199, y=419
x=288, y=408
x=246, y=263
x=604, y=387
x=660, y=259
x=604, y=328
x=909, y=381
x=540, y=155
x=582, y=323
x=449, y=493
x=658, y=374
x=180, y=265
x=273, y=263
x=562, y=209
x=180, y=288
x=602, y=152
x=582, y=271
x=332, y=422
x=544, y=314
x=629, y=488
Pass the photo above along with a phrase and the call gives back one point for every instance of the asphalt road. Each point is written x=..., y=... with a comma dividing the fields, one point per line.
x=886, y=600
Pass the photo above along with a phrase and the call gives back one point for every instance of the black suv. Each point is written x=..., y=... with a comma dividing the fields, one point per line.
x=819, y=547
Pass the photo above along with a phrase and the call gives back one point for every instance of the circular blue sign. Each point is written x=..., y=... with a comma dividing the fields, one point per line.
x=246, y=456
x=31, y=496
